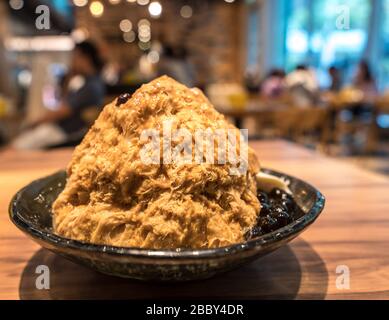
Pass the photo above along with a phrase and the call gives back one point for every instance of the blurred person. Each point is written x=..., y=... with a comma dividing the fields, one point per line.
x=81, y=90
x=252, y=79
x=8, y=96
x=304, y=77
x=336, y=79
x=302, y=86
x=174, y=63
x=364, y=81
x=365, y=91
x=274, y=84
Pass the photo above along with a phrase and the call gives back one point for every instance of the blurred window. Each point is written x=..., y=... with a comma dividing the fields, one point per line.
x=297, y=33
x=253, y=37
x=384, y=49
x=323, y=33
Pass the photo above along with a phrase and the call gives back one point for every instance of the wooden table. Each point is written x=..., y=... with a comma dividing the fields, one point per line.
x=353, y=231
x=254, y=108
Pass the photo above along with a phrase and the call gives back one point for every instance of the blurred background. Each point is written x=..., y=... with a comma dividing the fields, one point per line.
x=315, y=72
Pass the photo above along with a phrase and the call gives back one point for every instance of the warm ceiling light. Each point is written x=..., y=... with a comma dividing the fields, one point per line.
x=144, y=39
x=24, y=78
x=96, y=8
x=131, y=1
x=229, y=1
x=143, y=22
x=80, y=34
x=153, y=56
x=16, y=4
x=114, y=1
x=144, y=30
x=144, y=45
x=129, y=36
x=155, y=9
x=143, y=2
x=80, y=3
x=125, y=25
x=186, y=12
x=40, y=43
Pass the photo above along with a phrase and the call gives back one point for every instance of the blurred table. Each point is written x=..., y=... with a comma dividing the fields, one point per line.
x=254, y=108
x=353, y=231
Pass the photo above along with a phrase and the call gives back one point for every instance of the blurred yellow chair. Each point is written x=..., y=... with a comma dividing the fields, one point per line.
x=238, y=101
x=381, y=107
x=90, y=114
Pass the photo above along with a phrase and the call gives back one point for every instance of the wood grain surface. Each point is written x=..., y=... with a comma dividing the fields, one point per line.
x=353, y=231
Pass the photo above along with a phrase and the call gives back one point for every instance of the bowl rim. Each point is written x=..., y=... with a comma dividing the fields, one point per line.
x=265, y=240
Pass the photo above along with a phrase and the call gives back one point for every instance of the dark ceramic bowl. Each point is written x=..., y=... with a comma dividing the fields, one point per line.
x=30, y=211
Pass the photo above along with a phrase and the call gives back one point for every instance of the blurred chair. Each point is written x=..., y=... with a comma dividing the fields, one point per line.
x=380, y=113
x=264, y=126
x=285, y=122
x=89, y=115
x=303, y=125
x=344, y=105
x=312, y=125
x=271, y=110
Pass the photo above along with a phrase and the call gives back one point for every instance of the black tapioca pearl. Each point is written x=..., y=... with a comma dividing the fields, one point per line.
x=268, y=223
x=278, y=209
x=281, y=215
x=279, y=194
x=289, y=205
x=123, y=98
x=253, y=233
x=297, y=212
x=262, y=197
x=265, y=209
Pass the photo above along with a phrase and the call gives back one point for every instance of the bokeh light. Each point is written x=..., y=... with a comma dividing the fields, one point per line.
x=80, y=3
x=96, y=8
x=16, y=4
x=153, y=56
x=143, y=22
x=144, y=45
x=80, y=34
x=125, y=25
x=129, y=36
x=155, y=9
x=143, y=2
x=186, y=11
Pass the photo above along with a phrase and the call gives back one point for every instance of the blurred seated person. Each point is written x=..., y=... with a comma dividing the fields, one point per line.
x=302, y=86
x=174, y=63
x=274, y=84
x=302, y=76
x=336, y=79
x=82, y=90
x=360, y=96
x=252, y=79
x=364, y=81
